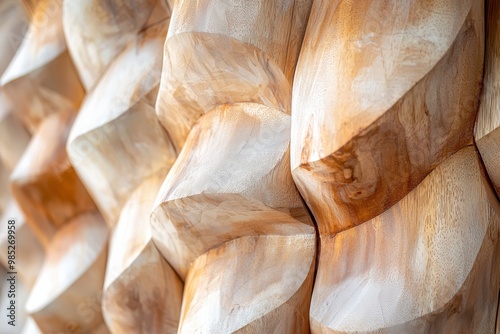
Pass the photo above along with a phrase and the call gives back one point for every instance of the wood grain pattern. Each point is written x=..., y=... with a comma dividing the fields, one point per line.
x=487, y=133
x=228, y=52
x=275, y=27
x=428, y=264
x=155, y=150
x=45, y=184
x=229, y=200
x=41, y=79
x=116, y=130
x=73, y=273
x=214, y=75
x=97, y=31
x=237, y=208
x=142, y=293
x=378, y=104
x=248, y=142
x=245, y=285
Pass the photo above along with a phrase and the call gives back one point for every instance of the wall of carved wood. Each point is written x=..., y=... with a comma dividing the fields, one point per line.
x=250, y=166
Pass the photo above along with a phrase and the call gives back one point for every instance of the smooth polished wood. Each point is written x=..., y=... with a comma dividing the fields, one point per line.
x=193, y=86
x=45, y=184
x=68, y=290
x=247, y=142
x=142, y=293
x=117, y=132
x=245, y=285
x=228, y=52
x=275, y=27
x=182, y=140
x=487, y=132
x=237, y=208
x=97, y=31
x=378, y=103
x=428, y=264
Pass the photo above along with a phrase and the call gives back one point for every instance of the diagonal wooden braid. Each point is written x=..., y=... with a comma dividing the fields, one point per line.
x=122, y=154
x=229, y=200
x=408, y=221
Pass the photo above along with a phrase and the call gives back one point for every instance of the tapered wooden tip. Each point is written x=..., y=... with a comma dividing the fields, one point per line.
x=248, y=75
x=207, y=64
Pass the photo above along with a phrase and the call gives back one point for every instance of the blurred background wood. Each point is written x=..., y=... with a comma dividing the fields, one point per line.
x=228, y=52
x=45, y=184
x=68, y=290
x=41, y=79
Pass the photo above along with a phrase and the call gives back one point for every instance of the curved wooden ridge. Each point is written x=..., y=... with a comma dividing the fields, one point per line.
x=97, y=31
x=73, y=270
x=211, y=214
x=429, y=263
x=40, y=79
x=278, y=166
x=104, y=144
x=44, y=183
x=192, y=50
x=381, y=109
x=230, y=194
x=486, y=132
x=142, y=293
